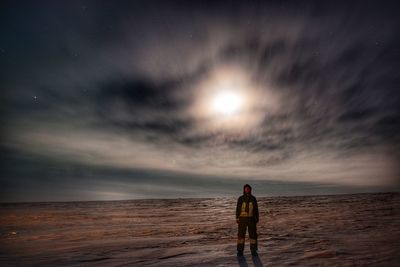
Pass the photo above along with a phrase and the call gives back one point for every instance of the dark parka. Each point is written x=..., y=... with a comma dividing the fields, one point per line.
x=245, y=198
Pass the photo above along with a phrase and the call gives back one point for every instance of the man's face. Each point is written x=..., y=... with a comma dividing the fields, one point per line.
x=247, y=190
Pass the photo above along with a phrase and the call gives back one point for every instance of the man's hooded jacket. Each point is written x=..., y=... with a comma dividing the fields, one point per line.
x=247, y=205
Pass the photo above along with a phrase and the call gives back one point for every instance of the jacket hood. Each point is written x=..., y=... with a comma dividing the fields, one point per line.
x=246, y=185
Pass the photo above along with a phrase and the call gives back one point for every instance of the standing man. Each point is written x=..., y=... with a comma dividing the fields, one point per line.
x=247, y=217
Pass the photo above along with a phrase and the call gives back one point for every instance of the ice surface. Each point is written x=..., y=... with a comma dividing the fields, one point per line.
x=342, y=230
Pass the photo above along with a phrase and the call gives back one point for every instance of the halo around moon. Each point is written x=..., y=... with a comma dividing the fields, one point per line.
x=227, y=100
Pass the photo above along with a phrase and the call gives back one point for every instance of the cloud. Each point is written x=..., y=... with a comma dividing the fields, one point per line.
x=131, y=89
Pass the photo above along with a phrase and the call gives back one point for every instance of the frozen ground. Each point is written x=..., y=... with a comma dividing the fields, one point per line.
x=342, y=230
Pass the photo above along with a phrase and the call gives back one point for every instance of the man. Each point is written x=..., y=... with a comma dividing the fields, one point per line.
x=247, y=217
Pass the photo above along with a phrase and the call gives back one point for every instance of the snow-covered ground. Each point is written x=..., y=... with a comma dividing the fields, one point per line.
x=342, y=230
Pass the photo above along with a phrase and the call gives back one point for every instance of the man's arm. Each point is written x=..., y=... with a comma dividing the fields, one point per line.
x=256, y=215
x=238, y=208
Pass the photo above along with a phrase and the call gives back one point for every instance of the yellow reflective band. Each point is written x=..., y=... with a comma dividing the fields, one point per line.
x=253, y=241
x=240, y=241
x=243, y=212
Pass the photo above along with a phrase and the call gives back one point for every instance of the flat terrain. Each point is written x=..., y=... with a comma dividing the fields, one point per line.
x=341, y=230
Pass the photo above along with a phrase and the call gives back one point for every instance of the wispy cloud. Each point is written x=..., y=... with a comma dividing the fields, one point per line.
x=130, y=89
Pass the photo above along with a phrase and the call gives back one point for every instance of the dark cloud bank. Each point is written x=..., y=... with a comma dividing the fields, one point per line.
x=97, y=98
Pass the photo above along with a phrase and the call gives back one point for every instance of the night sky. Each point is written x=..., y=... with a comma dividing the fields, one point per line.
x=105, y=100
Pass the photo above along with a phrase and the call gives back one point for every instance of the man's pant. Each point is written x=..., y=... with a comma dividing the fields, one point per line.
x=247, y=222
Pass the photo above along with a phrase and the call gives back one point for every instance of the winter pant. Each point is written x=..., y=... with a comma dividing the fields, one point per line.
x=247, y=222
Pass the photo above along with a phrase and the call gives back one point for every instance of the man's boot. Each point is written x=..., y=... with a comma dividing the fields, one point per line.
x=240, y=246
x=253, y=247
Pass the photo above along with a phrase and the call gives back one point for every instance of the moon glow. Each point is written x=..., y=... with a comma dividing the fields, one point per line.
x=227, y=103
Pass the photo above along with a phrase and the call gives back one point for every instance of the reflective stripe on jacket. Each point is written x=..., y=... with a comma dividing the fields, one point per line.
x=243, y=212
x=241, y=207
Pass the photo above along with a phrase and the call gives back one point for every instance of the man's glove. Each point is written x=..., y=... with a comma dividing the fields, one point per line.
x=237, y=220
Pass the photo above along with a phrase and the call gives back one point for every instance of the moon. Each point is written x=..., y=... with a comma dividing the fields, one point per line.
x=227, y=103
